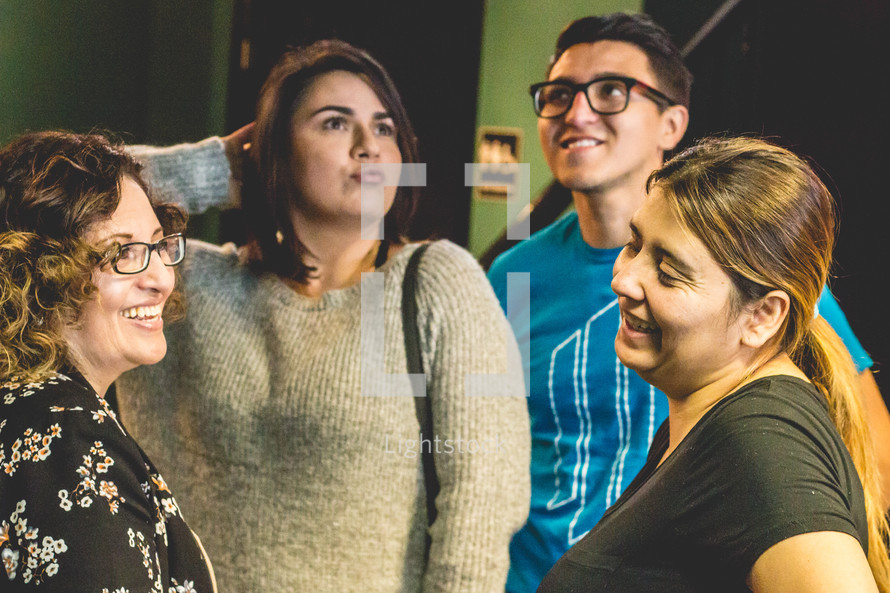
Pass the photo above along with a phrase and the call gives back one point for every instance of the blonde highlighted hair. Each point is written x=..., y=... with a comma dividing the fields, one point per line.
x=769, y=221
x=54, y=186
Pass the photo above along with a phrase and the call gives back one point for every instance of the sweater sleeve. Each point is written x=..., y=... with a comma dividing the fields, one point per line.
x=482, y=449
x=195, y=176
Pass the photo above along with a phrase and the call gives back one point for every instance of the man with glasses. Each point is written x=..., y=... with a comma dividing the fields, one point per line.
x=615, y=99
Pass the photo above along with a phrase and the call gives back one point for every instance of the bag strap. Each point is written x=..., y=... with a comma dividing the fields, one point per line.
x=422, y=404
x=409, y=315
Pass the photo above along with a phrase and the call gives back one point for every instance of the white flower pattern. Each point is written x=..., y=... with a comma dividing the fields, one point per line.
x=39, y=537
x=41, y=559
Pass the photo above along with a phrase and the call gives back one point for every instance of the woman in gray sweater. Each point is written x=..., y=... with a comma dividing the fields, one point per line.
x=278, y=415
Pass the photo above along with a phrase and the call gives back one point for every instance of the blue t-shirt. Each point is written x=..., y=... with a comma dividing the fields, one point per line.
x=592, y=419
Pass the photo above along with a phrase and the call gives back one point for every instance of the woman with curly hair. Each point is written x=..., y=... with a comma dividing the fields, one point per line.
x=81, y=301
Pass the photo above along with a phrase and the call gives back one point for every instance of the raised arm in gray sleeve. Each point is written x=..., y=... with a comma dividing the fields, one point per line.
x=195, y=176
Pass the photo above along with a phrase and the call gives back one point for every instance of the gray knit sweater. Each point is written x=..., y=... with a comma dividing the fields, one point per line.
x=293, y=477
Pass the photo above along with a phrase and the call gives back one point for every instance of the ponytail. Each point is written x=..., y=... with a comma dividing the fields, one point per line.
x=769, y=221
x=823, y=357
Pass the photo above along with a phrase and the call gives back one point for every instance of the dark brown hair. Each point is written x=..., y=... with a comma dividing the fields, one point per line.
x=268, y=182
x=54, y=186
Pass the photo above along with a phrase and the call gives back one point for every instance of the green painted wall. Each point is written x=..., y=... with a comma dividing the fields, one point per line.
x=155, y=70
x=517, y=40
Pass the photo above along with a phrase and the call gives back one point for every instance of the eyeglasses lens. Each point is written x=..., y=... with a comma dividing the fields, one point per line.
x=134, y=257
x=605, y=97
x=131, y=258
x=171, y=249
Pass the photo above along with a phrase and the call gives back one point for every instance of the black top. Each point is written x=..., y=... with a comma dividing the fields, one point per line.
x=764, y=464
x=81, y=507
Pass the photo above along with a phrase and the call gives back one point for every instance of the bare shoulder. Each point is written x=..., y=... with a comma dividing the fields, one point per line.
x=817, y=562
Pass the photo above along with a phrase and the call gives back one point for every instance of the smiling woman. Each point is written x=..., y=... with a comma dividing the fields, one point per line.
x=81, y=299
x=122, y=327
x=676, y=330
x=763, y=477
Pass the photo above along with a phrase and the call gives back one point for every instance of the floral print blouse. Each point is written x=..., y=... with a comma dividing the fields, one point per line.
x=81, y=506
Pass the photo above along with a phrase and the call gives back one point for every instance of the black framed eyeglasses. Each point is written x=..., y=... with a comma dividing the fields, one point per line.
x=132, y=258
x=606, y=95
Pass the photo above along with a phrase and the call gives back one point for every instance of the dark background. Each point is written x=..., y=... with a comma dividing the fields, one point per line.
x=813, y=76
x=432, y=52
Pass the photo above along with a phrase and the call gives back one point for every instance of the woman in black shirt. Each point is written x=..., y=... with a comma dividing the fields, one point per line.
x=752, y=482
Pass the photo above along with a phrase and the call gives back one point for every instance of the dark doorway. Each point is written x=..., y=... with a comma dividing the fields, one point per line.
x=432, y=52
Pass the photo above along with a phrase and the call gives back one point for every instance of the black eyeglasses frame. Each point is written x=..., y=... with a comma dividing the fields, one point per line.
x=150, y=248
x=630, y=83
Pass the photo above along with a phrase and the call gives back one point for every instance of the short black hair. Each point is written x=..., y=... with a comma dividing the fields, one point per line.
x=640, y=30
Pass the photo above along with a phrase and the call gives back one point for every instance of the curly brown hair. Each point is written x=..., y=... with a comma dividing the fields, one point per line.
x=54, y=186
